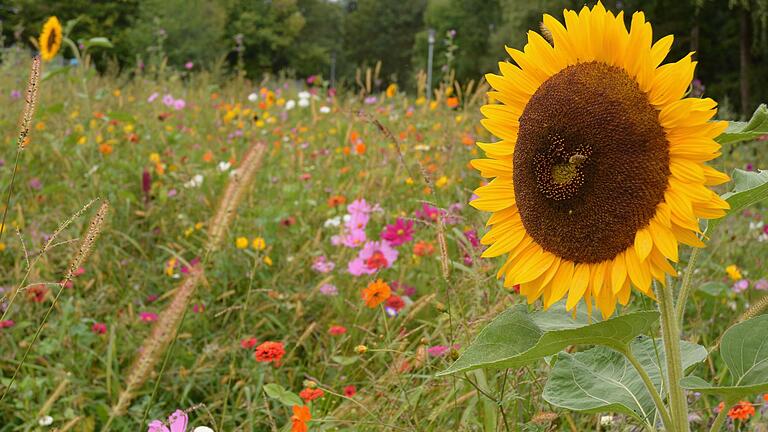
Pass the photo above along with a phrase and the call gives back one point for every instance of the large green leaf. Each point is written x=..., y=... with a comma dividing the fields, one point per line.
x=603, y=380
x=749, y=188
x=744, y=349
x=746, y=131
x=286, y=397
x=516, y=337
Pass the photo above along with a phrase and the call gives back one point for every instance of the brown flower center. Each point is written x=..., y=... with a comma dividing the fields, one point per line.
x=591, y=163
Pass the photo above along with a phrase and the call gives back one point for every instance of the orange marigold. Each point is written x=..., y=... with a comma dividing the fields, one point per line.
x=301, y=416
x=376, y=293
x=741, y=411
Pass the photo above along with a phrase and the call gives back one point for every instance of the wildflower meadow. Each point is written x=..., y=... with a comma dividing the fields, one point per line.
x=574, y=241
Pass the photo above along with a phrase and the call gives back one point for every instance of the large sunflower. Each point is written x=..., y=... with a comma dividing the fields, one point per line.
x=599, y=171
x=50, y=38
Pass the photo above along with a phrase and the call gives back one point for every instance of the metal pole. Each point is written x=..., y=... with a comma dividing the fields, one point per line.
x=431, y=40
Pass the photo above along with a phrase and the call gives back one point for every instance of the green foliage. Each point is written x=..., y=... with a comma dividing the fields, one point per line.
x=747, y=131
x=285, y=397
x=745, y=351
x=749, y=188
x=515, y=337
x=603, y=380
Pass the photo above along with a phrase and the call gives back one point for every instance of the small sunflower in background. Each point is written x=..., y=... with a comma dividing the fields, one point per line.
x=599, y=172
x=50, y=38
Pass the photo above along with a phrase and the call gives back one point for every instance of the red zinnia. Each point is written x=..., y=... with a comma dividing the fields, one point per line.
x=741, y=411
x=337, y=330
x=269, y=352
x=395, y=302
x=249, y=343
x=309, y=394
x=350, y=391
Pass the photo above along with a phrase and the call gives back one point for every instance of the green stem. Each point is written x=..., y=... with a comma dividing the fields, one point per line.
x=685, y=287
x=670, y=334
x=720, y=419
x=662, y=409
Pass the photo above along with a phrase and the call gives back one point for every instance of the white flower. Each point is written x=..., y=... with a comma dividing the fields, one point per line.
x=202, y=429
x=303, y=103
x=332, y=222
x=325, y=109
x=290, y=104
x=304, y=95
x=421, y=147
x=253, y=97
x=196, y=181
x=45, y=421
x=347, y=217
x=756, y=225
x=223, y=166
x=606, y=420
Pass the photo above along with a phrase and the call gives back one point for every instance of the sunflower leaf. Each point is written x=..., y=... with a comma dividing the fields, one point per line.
x=750, y=187
x=746, y=131
x=517, y=337
x=744, y=349
x=603, y=380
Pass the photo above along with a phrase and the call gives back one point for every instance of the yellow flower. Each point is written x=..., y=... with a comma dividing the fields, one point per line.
x=50, y=39
x=241, y=242
x=2, y=246
x=441, y=182
x=733, y=272
x=116, y=93
x=267, y=260
x=361, y=349
x=599, y=171
x=154, y=158
x=259, y=244
x=391, y=90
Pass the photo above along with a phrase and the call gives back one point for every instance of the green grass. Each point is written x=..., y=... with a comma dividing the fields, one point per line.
x=66, y=165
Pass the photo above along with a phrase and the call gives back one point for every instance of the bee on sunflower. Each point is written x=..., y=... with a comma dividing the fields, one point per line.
x=599, y=171
x=50, y=39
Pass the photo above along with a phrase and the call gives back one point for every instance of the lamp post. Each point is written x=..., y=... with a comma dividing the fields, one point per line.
x=430, y=52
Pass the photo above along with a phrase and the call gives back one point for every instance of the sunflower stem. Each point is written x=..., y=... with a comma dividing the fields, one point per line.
x=670, y=334
x=685, y=286
x=660, y=407
x=720, y=419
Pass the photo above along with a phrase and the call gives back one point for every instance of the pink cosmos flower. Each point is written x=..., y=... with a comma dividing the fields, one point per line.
x=148, y=316
x=373, y=257
x=179, y=104
x=168, y=100
x=399, y=232
x=740, y=286
x=322, y=264
x=440, y=350
x=177, y=422
x=189, y=65
x=329, y=290
x=7, y=324
x=350, y=239
x=761, y=285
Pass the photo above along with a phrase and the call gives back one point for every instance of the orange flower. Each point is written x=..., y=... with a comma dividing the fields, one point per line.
x=765, y=397
x=310, y=394
x=422, y=248
x=741, y=411
x=208, y=156
x=301, y=416
x=336, y=200
x=360, y=148
x=105, y=149
x=269, y=352
x=452, y=102
x=376, y=293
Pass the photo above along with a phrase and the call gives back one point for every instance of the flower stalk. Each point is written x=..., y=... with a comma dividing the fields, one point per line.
x=670, y=334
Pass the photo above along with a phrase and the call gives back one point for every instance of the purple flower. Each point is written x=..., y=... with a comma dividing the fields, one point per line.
x=398, y=233
x=172, y=193
x=168, y=100
x=179, y=104
x=35, y=183
x=189, y=65
x=370, y=100
x=152, y=97
x=740, y=286
x=441, y=350
x=329, y=290
x=471, y=236
x=761, y=285
x=323, y=265
x=428, y=212
x=15, y=94
x=374, y=256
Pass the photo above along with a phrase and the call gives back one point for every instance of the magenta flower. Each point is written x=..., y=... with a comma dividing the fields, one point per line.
x=179, y=104
x=471, y=236
x=322, y=264
x=440, y=350
x=374, y=256
x=99, y=328
x=761, y=285
x=427, y=212
x=189, y=65
x=168, y=100
x=398, y=233
x=148, y=316
x=152, y=97
x=7, y=324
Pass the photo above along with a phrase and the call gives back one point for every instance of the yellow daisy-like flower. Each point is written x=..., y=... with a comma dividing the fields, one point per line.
x=599, y=171
x=50, y=39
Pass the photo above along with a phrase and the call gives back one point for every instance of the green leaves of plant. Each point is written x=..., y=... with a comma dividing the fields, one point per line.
x=603, y=380
x=749, y=188
x=286, y=397
x=746, y=131
x=515, y=337
x=744, y=349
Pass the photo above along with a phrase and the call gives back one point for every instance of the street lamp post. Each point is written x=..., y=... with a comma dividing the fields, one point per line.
x=430, y=52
